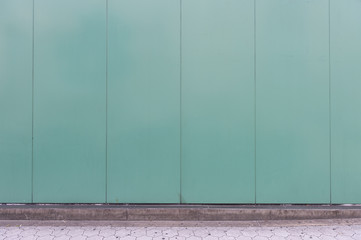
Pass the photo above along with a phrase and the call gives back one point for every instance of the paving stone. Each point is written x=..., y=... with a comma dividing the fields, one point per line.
x=295, y=230
x=32, y=237
x=75, y=232
x=144, y=238
x=357, y=230
x=330, y=232
x=46, y=237
x=265, y=233
x=356, y=237
x=210, y=238
x=314, y=232
x=160, y=238
x=59, y=232
x=343, y=237
x=325, y=237
x=234, y=232
x=170, y=232
x=249, y=233
x=28, y=232
x=217, y=232
x=243, y=238
x=81, y=237
x=11, y=238
x=177, y=238
x=292, y=237
x=194, y=238
x=346, y=231
x=281, y=232
x=122, y=232
x=274, y=237
x=260, y=238
x=64, y=237
x=13, y=232
x=111, y=238
x=227, y=238
x=186, y=233
x=129, y=238
x=95, y=238
x=44, y=232
x=90, y=233
x=154, y=232
x=139, y=233
x=309, y=237
x=107, y=232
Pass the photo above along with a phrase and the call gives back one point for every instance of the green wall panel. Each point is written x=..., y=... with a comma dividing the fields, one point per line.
x=346, y=101
x=70, y=101
x=292, y=116
x=180, y=101
x=217, y=101
x=144, y=101
x=15, y=100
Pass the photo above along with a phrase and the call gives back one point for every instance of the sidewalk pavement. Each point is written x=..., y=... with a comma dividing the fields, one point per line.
x=344, y=229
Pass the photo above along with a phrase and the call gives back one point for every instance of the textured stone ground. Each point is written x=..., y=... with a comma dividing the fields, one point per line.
x=286, y=230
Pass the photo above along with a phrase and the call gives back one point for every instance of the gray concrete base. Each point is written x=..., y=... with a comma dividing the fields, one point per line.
x=176, y=212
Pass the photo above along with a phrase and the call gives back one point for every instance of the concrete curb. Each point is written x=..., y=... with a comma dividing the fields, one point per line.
x=175, y=213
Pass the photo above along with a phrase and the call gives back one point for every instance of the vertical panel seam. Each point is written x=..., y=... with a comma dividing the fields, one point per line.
x=329, y=94
x=106, y=101
x=32, y=107
x=180, y=101
x=255, y=102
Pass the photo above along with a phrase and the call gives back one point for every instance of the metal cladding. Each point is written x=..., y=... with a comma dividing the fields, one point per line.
x=180, y=101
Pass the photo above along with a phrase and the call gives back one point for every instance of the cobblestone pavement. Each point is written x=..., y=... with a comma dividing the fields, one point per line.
x=286, y=230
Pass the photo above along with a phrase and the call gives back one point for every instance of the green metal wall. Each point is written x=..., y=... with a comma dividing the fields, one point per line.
x=292, y=111
x=180, y=101
x=217, y=107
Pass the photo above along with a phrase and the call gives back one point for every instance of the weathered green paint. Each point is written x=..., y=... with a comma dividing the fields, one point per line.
x=292, y=52
x=70, y=101
x=217, y=101
x=144, y=101
x=15, y=100
x=346, y=101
